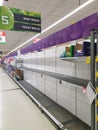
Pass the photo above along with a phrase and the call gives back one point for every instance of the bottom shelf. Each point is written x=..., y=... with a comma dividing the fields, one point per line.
x=62, y=117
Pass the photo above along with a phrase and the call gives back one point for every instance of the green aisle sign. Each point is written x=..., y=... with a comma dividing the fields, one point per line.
x=19, y=20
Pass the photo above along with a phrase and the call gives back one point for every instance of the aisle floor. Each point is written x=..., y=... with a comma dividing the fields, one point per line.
x=17, y=112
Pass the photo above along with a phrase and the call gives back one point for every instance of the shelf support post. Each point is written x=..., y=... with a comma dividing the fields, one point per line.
x=92, y=33
x=94, y=80
x=96, y=100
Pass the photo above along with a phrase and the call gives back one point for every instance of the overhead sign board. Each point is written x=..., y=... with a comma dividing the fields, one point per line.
x=2, y=38
x=19, y=20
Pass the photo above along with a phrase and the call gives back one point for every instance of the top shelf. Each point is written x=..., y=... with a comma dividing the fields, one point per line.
x=74, y=59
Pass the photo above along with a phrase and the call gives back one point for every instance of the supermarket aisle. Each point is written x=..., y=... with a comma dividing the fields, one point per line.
x=17, y=112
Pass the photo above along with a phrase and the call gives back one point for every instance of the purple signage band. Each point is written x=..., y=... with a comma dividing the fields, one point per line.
x=78, y=30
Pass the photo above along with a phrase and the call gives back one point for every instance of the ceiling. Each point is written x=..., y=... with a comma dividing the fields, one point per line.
x=51, y=11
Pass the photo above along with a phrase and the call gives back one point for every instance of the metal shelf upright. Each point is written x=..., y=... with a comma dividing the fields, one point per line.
x=94, y=78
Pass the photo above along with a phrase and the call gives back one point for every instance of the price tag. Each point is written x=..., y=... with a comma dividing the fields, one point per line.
x=96, y=89
x=84, y=90
x=97, y=74
x=96, y=58
x=97, y=118
x=96, y=102
x=87, y=60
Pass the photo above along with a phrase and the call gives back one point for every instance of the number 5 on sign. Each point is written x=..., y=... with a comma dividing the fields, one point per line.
x=5, y=20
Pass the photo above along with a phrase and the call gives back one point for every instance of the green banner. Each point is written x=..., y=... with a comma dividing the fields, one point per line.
x=19, y=20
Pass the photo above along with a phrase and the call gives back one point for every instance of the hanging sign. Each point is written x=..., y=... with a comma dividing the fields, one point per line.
x=90, y=93
x=2, y=38
x=19, y=20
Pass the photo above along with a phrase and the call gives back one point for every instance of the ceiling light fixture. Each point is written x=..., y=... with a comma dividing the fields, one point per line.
x=1, y=2
x=68, y=15
x=54, y=24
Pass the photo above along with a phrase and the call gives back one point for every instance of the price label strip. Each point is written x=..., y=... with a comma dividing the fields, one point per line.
x=96, y=58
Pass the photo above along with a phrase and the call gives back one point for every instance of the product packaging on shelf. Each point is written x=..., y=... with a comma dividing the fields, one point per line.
x=78, y=50
x=19, y=74
x=70, y=51
x=82, y=49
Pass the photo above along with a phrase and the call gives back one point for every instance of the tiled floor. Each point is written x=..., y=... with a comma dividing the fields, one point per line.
x=17, y=112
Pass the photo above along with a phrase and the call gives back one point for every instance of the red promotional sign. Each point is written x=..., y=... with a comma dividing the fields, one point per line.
x=2, y=38
x=36, y=40
x=2, y=33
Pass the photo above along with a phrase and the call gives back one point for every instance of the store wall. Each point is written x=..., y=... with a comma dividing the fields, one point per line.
x=40, y=60
x=68, y=95
x=64, y=67
x=50, y=59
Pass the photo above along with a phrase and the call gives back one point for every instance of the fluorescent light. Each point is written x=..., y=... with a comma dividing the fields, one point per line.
x=1, y=2
x=68, y=15
x=54, y=24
